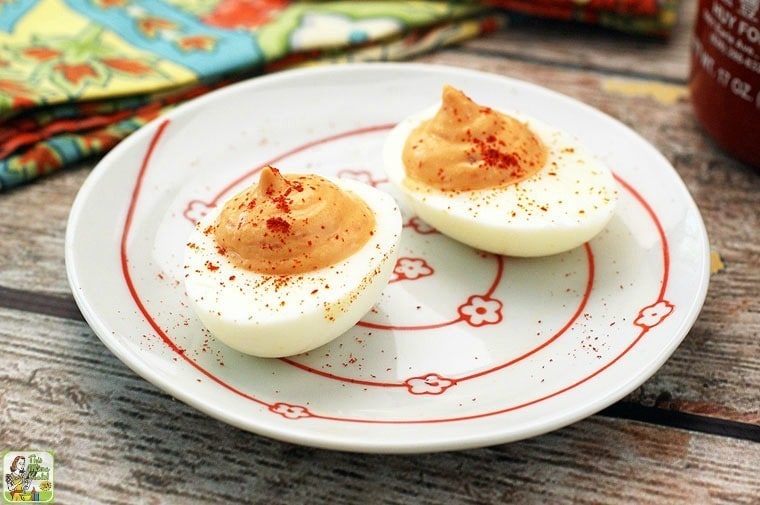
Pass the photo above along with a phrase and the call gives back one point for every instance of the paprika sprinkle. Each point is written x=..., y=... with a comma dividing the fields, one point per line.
x=288, y=224
x=466, y=146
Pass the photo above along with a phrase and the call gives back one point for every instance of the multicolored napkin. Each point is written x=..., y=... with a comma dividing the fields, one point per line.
x=78, y=76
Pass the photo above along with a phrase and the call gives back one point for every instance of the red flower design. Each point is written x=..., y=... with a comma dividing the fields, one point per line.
x=133, y=67
x=196, y=210
x=76, y=73
x=290, y=411
x=197, y=42
x=421, y=226
x=236, y=14
x=411, y=269
x=41, y=53
x=430, y=384
x=654, y=314
x=481, y=310
x=105, y=4
x=151, y=26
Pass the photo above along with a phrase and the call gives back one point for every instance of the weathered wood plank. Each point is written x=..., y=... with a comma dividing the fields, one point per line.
x=118, y=438
x=40, y=303
x=33, y=229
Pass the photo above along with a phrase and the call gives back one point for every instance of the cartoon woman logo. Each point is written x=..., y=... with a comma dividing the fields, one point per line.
x=19, y=480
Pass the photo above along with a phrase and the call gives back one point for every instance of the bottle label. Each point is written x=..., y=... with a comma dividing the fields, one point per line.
x=729, y=49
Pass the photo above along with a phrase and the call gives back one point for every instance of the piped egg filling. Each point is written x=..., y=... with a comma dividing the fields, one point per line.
x=504, y=183
x=291, y=262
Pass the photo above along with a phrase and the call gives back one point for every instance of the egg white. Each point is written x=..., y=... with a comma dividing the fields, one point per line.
x=565, y=204
x=273, y=315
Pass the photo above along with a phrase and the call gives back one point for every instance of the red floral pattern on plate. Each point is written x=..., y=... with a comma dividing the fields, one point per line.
x=289, y=411
x=411, y=269
x=480, y=310
x=196, y=210
x=430, y=384
x=420, y=226
x=651, y=316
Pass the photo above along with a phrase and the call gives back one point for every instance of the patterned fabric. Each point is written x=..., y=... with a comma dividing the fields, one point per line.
x=649, y=17
x=78, y=76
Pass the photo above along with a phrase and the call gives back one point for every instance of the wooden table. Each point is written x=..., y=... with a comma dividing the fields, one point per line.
x=690, y=434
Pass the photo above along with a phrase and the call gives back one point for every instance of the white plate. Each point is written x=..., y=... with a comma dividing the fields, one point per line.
x=463, y=349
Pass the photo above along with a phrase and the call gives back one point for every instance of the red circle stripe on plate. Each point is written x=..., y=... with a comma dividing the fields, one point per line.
x=648, y=317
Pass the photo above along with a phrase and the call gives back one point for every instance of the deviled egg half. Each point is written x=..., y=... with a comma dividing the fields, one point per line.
x=291, y=262
x=503, y=183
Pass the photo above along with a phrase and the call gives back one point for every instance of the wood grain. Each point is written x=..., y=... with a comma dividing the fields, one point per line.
x=119, y=435
x=33, y=229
